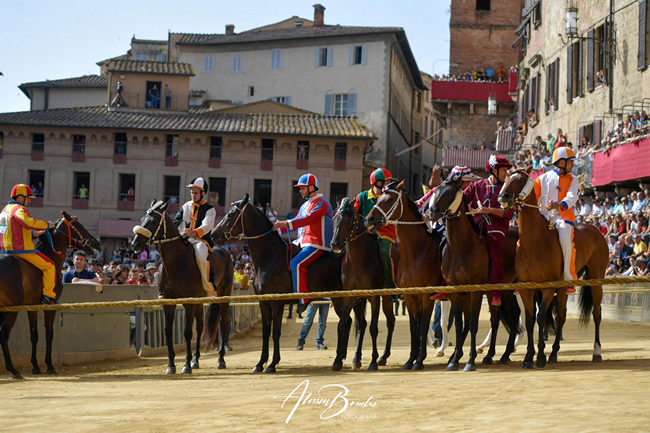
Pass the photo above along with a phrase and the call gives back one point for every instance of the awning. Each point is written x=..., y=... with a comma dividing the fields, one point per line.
x=117, y=228
x=626, y=162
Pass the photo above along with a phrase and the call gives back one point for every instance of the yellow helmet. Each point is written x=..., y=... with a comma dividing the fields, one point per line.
x=562, y=153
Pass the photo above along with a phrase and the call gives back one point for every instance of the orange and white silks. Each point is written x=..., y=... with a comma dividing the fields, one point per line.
x=553, y=187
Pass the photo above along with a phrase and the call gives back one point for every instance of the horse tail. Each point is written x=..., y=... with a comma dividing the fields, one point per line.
x=210, y=327
x=586, y=301
x=552, y=318
x=356, y=322
x=509, y=315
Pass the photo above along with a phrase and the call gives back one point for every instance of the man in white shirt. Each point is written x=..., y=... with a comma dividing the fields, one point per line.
x=585, y=208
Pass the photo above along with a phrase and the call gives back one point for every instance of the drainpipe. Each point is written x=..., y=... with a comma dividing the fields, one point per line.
x=610, y=56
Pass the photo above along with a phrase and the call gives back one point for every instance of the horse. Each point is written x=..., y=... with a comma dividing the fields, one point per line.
x=181, y=278
x=22, y=284
x=536, y=236
x=362, y=269
x=271, y=256
x=419, y=263
x=465, y=260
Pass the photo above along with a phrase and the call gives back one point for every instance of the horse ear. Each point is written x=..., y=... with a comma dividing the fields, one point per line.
x=245, y=199
x=66, y=215
x=163, y=207
x=153, y=202
x=400, y=186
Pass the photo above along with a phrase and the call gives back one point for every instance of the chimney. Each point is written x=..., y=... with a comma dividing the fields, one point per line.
x=319, y=15
x=230, y=29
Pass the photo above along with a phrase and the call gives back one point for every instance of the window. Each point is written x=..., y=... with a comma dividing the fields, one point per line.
x=357, y=55
x=418, y=101
x=296, y=198
x=161, y=58
x=142, y=56
x=38, y=142
x=416, y=140
x=552, y=86
x=251, y=90
x=127, y=187
x=36, y=182
x=267, y=149
x=215, y=147
x=217, y=191
x=78, y=143
x=537, y=14
x=207, y=63
x=236, y=64
x=343, y=104
x=282, y=99
x=153, y=89
x=340, y=151
x=482, y=5
x=262, y=192
x=574, y=71
x=120, y=143
x=425, y=175
x=644, y=36
x=597, y=57
x=338, y=190
x=81, y=184
x=276, y=60
x=171, y=150
x=303, y=150
x=323, y=57
x=172, y=188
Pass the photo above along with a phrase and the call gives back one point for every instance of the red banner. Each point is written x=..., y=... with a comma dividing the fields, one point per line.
x=629, y=161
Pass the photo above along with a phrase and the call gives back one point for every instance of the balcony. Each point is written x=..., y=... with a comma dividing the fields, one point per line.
x=266, y=165
x=470, y=91
x=214, y=163
x=126, y=205
x=119, y=158
x=38, y=155
x=36, y=202
x=78, y=157
x=80, y=203
x=171, y=161
x=302, y=164
x=460, y=156
x=339, y=164
x=625, y=162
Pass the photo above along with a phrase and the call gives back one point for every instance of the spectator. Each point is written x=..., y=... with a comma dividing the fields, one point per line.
x=83, y=192
x=80, y=274
x=168, y=97
x=640, y=247
x=96, y=267
x=240, y=279
x=121, y=275
x=154, y=255
x=323, y=310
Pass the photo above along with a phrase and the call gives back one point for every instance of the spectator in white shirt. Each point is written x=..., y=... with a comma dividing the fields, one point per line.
x=585, y=207
x=639, y=202
x=598, y=209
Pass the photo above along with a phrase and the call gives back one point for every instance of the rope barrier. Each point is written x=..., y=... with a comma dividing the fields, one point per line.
x=338, y=294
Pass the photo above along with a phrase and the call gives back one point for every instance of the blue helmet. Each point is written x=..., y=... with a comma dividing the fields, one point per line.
x=307, y=179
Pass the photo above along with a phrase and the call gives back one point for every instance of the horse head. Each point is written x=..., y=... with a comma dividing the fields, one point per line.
x=516, y=188
x=77, y=234
x=348, y=225
x=228, y=227
x=447, y=198
x=154, y=226
x=386, y=205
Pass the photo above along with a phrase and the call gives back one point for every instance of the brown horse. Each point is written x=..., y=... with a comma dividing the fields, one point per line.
x=539, y=258
x=465, y=260
x=22, y=284
x=418, y=265
x=362, y=269
x=181, y=278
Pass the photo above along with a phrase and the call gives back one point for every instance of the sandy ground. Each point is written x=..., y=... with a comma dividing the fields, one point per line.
x=574, y=395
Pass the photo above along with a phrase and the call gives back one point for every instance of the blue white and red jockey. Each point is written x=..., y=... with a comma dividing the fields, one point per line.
x=315, y=231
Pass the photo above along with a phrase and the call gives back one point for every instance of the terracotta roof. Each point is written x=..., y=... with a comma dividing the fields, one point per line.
x=120, y=57
x=150, y=67
x=193, y=121
x=193, y=38
x=83, y=82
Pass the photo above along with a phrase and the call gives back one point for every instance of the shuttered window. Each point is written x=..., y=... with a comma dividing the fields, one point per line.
x=569, y=70
x=643, y=34
x=590, y=60
x=596, y=131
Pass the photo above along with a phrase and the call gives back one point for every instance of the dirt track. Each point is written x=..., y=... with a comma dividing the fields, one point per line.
x=574, y=395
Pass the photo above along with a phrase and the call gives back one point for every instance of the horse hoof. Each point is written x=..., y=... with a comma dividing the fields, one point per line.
x=552, y=359
x=541, y=362
x=487, y=360
x=269, y=370
x=338, y=365
x=479, y=350
x=186, y=369
x=372, y=367
x=417, y=366
x=469, y=367
x=221, y=365
x=504, y=360
x=381, y=361
x=440, y=353
x=36, y=370
x=256, y=369
x=356, y=365
x=452, y=366
x=528, y=365
x=195, y=365
x=408, y=365
x=596, y=358
x=171, y=370
x=16, y=375
x=52, y=371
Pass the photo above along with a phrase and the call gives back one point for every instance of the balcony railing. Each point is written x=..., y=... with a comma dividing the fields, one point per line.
x=469, y=157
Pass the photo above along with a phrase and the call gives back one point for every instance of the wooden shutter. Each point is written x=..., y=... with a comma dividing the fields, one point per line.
x=643, y=29
x=596, y=132
x=579, y=67
x=590, y=60
x=557, y=83
x=547, y=95
x=581, y=135
x=569, y=73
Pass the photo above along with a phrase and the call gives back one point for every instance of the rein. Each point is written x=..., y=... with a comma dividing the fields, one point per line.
x=242, y=235
x=387, y=215
x=74, y=242
x=151, y=238
x=520, y=200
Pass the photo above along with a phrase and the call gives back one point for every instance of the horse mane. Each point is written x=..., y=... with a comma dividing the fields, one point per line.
x=418, y=216
x=470, y=218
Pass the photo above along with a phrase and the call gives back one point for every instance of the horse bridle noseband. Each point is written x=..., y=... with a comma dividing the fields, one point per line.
x=388, y=214
x=74, y=242
x=242, y=235
x=151, y=238
x=354, y=234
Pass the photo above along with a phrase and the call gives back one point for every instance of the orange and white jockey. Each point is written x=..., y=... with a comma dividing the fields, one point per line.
x=16, y=226
x=557, y=192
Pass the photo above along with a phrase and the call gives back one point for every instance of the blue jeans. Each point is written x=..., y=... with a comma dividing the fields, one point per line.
x=435, y=326
x=323, y=310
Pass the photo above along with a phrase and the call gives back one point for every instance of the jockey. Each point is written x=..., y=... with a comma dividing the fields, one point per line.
x=196, y=219
x=363, y=203
x=490, y=217
x=314, y=221
x=558, y=189
x=16, y=226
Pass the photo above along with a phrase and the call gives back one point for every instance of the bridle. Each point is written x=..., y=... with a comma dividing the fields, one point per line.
x=152, y=238
x=520, y=200
x=388, y=214
x=358, y=228
x=73, y=241
x=242, y=234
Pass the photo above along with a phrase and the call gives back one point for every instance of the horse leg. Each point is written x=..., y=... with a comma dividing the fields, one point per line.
x=492, y=335
x=187, y=333
x=277, y=312
x=597, y=296
x=341, y=307
x=561, y=299
x=198, y=317
x=445, y=312
x=475, y=309
x=362, y=323
x=522, y=321
x=374, y=331
x=49, y=317
x=33, y=335
x=7, y=321
x=224, y=334
x=458, y=325
x=426, y=308
x=170, y=311
x=488, y=337
x=414, y=338
x=267, y=316
x=547, y=298
x=527, y=298
x=386, y=306
x=509, y=300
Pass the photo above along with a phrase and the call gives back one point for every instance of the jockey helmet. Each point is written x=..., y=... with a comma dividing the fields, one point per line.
x=562, y=153
x=466, y=174
x=199, y=183
x=496, y=162
x=21, y=189
x=380, y=174
x=307, y=179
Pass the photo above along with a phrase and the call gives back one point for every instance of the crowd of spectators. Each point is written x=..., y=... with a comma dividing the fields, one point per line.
x=498, y=75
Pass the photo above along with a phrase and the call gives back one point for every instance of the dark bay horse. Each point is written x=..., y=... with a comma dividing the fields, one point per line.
x=362, y=269
x=465, y=260
x=539, y=258
x=270, y=256
x=181, y=278
x=418, y=265
x=21, y=284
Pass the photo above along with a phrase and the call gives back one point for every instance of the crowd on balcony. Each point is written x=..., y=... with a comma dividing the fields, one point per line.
x=498, y=75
